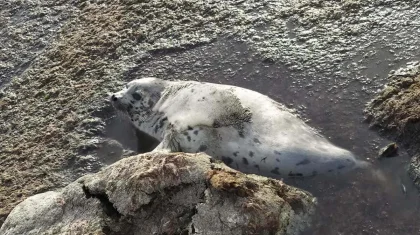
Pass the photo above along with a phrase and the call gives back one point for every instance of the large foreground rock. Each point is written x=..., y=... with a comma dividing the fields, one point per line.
x=160, y=193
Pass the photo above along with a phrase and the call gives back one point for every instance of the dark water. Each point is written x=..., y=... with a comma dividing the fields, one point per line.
x=379, y=200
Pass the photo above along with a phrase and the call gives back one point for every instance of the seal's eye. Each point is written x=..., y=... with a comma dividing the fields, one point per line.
x=136, y=96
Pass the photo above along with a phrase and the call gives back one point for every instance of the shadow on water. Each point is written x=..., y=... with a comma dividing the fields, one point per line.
x=112, y=137
x=119, y=128
x=378, y=200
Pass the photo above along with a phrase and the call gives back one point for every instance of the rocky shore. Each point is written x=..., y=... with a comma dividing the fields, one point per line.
x=59, y=60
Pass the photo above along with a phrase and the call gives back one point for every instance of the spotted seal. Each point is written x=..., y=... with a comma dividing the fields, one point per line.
x=245, y=129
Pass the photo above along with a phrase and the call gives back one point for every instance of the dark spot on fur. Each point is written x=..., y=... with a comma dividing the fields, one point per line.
x=235, y=153
x=132, y=102
x=330, y=170
x=185, y=133
x=241, y=134
x=263, y=159
x=275, y=171
x=216, y=124
x=150, y=103
x=156, y=129
x=227, y=160
x=162, y=122
x=202, y=148
x=257, y=141
x=277, y=152
x=251, y=154
x=192, y=90
x=304, y=162
x=257, y=166
x=278, y=160
x=245, y=161
x=129, y=107
x=189, y=128
x=155, y=122
x=189, y=139
x=341, y=167
x=136, y=96
x=195, y=132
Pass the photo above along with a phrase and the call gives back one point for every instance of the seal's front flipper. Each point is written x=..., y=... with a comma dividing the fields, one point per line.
x=161, y=148
x=169, y=143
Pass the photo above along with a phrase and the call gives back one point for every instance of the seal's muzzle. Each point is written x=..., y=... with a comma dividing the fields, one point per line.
x=116, y=102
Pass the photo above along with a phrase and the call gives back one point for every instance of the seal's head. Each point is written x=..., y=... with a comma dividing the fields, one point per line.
x=139, y=97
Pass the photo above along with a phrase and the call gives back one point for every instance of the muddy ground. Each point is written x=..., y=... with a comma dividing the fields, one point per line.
x=60, y=59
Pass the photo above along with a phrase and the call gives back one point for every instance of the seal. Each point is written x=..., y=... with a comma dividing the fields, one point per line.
x=245, y=129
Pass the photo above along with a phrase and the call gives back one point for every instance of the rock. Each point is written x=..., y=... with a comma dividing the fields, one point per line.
x=396, y=112
x=158, y=193
x=395, y=109
x=414, y=169
x=388, y=151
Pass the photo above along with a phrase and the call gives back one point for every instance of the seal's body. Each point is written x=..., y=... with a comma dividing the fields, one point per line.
x=245, y=129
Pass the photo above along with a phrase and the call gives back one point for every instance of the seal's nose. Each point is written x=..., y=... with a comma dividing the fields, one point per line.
x=114, y=98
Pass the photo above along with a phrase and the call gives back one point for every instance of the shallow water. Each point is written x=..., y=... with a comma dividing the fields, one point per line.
x=378, y=200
